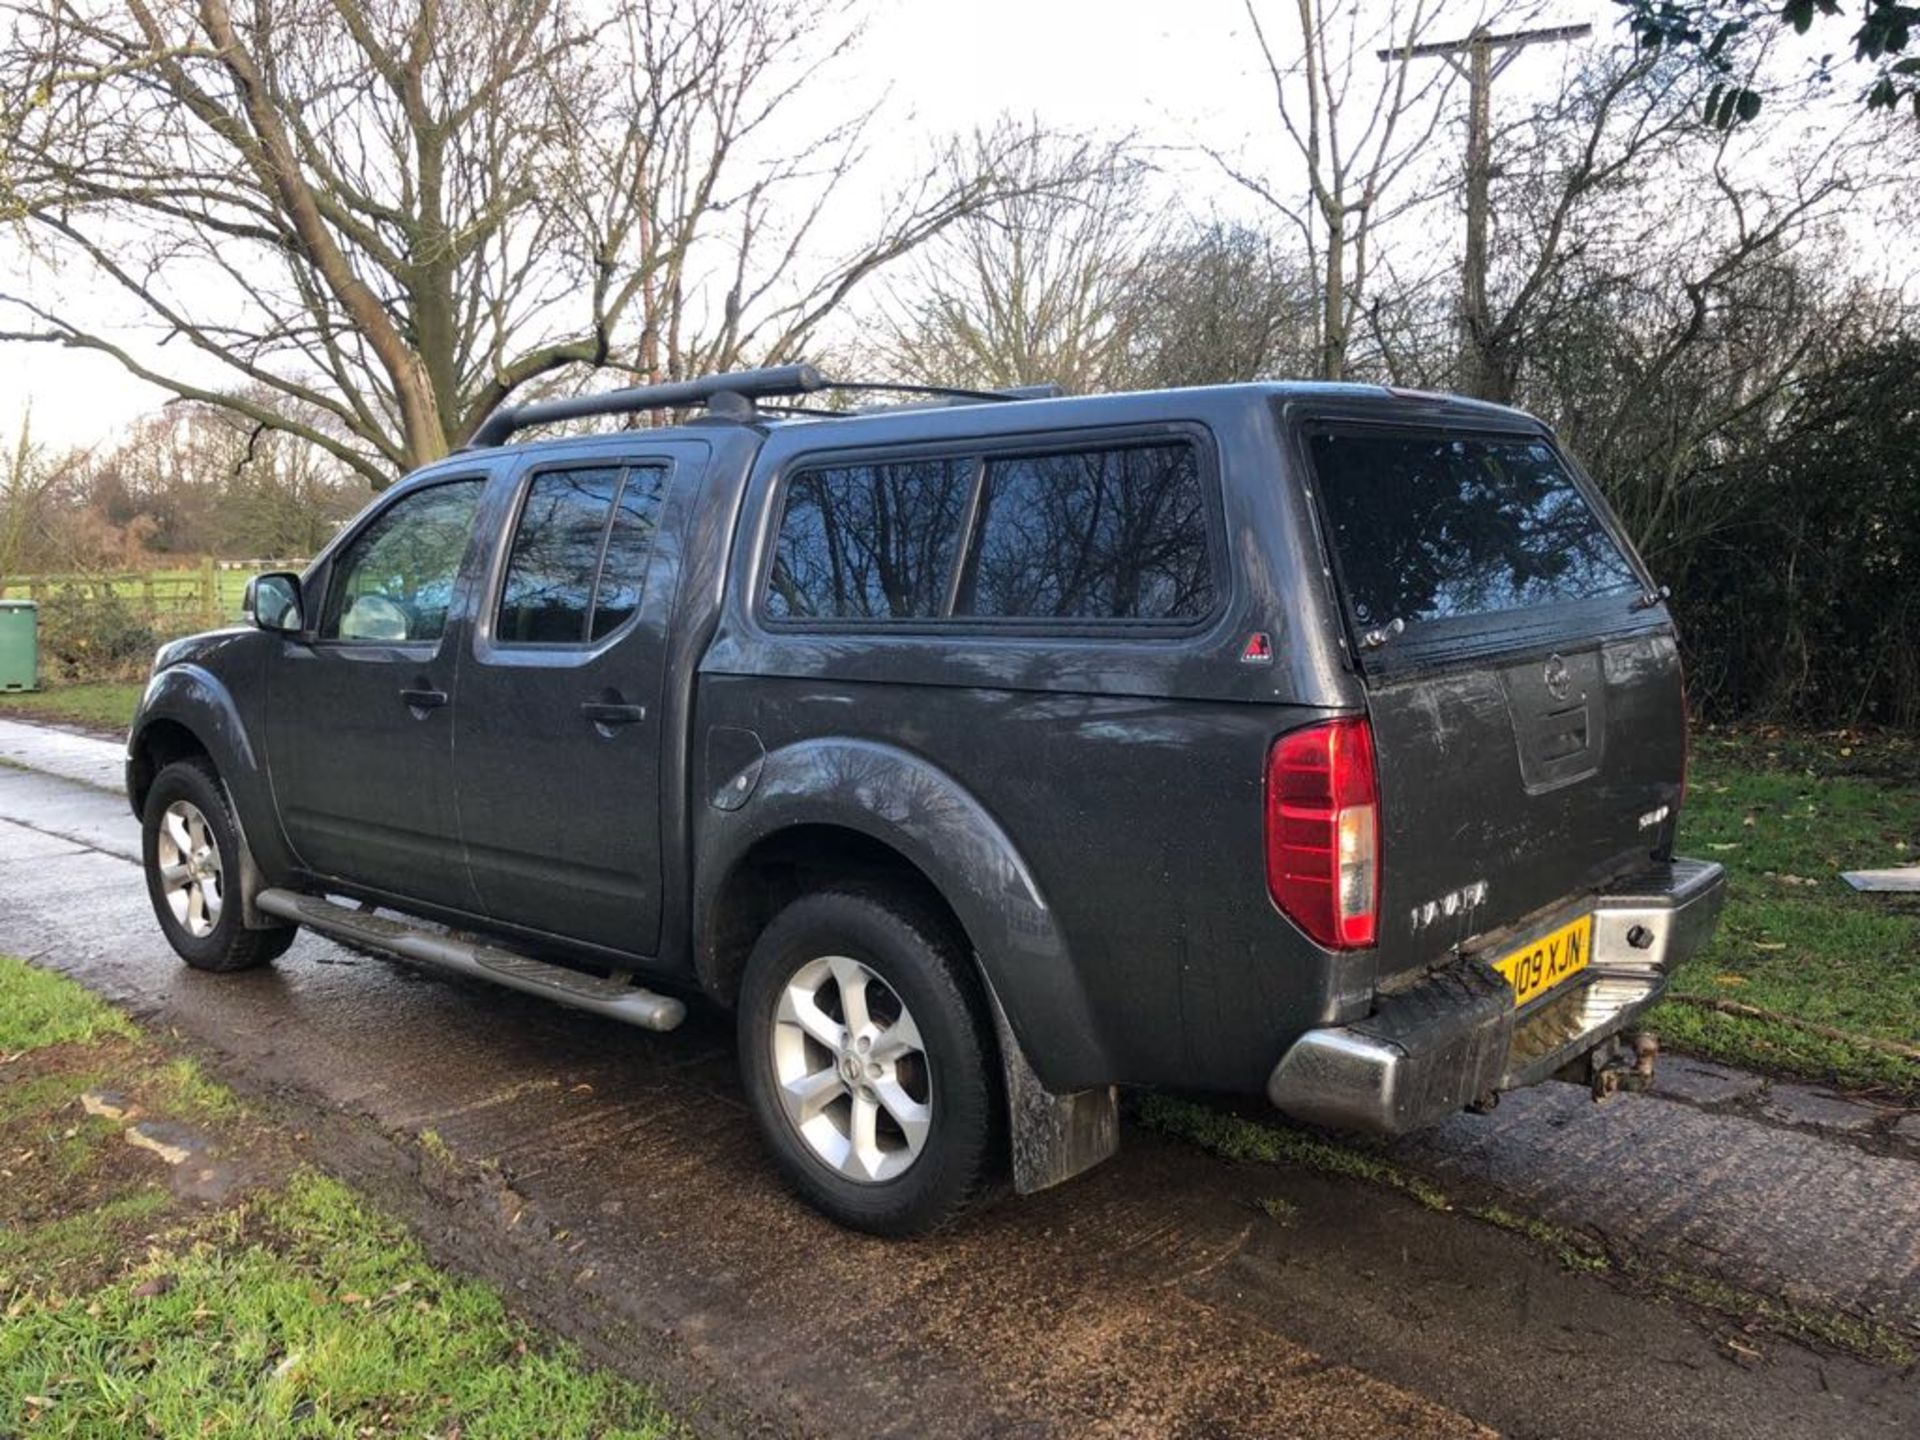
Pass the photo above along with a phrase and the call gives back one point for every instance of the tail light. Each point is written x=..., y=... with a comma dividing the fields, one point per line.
x=1323, y=832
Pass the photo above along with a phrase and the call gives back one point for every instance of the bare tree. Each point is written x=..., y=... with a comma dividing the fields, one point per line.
x=279, y=497
x=1357, y=128
x=1090, y=285
x=1569, y=171
x=390, y=214
x=1040, y=286
x=1660, y=326
x=1225, y=302
x=203, y=479
x=27, y=485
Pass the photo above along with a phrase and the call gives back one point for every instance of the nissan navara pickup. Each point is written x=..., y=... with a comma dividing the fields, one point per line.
x=981, y=754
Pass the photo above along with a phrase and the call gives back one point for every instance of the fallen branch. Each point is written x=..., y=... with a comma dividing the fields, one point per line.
x=1828, y=1032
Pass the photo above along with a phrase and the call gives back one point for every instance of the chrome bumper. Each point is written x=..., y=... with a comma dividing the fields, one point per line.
x=1455, y=1037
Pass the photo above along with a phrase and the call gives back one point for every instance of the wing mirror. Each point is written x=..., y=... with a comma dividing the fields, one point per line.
x=273, y=602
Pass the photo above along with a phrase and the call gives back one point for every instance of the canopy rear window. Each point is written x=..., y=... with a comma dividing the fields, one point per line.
x=1434, y=525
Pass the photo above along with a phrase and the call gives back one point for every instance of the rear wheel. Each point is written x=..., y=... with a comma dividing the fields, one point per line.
x=191, y=845
x=867, y=1060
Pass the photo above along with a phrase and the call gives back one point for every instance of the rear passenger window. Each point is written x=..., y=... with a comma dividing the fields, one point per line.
x=1115, y=534
x=629, y=547
x=869, y=541
x=579, y=555
x=556, y=555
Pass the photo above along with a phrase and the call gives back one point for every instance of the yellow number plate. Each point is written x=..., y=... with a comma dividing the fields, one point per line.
x=1537, y=967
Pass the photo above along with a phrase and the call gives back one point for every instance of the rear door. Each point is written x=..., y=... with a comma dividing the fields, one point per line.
x=1525, y=696
x=557, y=720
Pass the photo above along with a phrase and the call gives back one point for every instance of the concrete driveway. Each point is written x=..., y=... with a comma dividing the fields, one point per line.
x=611, y=1181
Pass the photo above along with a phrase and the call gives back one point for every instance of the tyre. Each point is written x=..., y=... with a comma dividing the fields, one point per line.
x=191, y=845
x=868, y=1060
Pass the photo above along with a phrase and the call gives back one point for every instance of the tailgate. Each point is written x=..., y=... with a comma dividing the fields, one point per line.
x=1510, y=785
x=1523, y=683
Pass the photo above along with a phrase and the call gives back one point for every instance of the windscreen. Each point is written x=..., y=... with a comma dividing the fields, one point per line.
x=1440, y=526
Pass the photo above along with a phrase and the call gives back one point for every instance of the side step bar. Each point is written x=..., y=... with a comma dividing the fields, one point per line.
x=612, y=997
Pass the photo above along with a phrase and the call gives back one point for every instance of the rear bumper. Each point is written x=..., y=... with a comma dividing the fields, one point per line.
x=1454, y=1038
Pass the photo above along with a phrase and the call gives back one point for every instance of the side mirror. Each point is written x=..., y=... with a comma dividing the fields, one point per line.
x=273, y=602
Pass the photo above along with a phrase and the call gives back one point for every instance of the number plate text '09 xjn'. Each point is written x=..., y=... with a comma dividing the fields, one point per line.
x=1554, y=958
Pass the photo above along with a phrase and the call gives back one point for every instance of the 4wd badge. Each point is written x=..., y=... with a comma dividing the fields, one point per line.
x=1258, y=651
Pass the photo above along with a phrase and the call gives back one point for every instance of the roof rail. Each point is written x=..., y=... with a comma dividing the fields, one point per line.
x=941, y=396
x=728, y=396
x=731, y=395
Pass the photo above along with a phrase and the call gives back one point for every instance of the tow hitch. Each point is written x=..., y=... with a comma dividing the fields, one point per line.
x=1622, y=1062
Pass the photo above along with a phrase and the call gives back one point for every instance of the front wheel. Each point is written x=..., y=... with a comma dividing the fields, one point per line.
x=867, y=1060
x=191, y=845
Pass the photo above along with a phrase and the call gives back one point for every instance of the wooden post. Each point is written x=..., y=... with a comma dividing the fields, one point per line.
x=210, y=593
x=1480, y=369
x=1476, y=324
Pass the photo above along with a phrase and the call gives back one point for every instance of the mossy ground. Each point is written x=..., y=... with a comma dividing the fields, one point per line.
x=1237, y=1137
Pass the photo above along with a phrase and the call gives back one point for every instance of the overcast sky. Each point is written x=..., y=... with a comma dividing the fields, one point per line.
x=1173, y=74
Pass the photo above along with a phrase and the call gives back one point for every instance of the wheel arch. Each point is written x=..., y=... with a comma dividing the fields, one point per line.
x=788, y=862
x=871, y=811
x=187, y=711
x=156, y=745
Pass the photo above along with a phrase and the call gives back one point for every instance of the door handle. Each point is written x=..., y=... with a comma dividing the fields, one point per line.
x=423, y=699
x=601, y=712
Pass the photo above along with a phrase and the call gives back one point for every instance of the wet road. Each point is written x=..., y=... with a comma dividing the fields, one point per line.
x=612, y=1180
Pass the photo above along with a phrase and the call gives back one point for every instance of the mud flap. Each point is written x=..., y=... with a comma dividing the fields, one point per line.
x=1053, y=1137
x=252, y=882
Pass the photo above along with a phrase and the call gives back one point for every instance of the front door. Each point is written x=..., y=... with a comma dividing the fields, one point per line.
x=359, y=721
x=557, y=731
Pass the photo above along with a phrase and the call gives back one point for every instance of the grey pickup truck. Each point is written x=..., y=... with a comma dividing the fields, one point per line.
x=982, y=753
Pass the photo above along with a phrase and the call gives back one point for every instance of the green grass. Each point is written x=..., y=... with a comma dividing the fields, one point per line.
x=68, y=1242
x=304, y=1309
x=1867, y=1338
x=21, y=1097
x=39, y=1008
x=436, y=1149
x=1784, y=1047
x=183, y=1089
x=98, y=706
x=1785, y=815
x=1572, y=1249
x=294, y=1308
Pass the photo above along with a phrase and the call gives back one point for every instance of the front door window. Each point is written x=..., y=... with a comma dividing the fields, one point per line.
x=394, y=583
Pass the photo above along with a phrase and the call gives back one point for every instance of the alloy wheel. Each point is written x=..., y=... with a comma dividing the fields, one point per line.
x=190, y=872
x=852, y=1069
